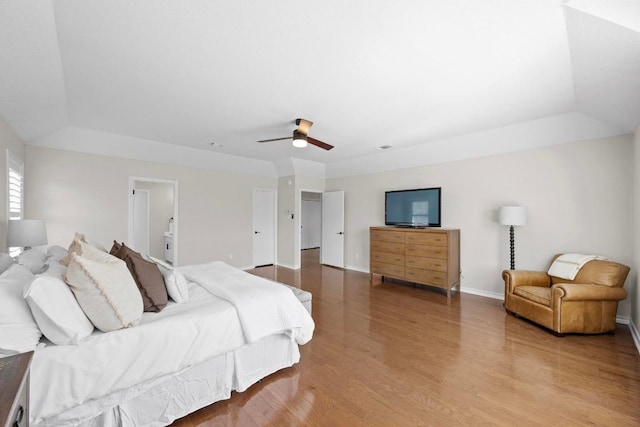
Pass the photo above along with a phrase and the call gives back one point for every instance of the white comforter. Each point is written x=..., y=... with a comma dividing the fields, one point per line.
x=182, y=335
x=264, y=307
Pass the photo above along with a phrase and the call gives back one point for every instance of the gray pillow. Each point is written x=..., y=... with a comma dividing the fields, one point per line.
x=5, y=262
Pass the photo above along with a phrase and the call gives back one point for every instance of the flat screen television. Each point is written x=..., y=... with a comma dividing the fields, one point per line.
x=412, y=208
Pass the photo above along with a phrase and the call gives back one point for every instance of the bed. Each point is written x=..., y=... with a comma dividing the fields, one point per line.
x=234, y=329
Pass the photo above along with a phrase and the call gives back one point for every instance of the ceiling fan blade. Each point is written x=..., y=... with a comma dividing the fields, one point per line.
x=303, y=126
x=276, y=139
x=320, y=144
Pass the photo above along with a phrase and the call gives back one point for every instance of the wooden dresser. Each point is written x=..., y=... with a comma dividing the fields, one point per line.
x=427, y=256
x=14, y=388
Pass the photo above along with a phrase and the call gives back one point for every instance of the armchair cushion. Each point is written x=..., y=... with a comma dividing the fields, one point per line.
x=535, y=293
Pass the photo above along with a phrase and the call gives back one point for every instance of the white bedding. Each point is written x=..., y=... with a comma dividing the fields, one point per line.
x=264, y=307
x=181, y=335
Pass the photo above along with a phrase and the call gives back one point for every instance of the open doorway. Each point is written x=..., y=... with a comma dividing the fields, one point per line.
x=153, y=217
x=322, y=226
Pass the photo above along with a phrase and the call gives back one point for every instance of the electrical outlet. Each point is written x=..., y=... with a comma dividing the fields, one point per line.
x=230, y=256
x=461, y=272
x=357, y=255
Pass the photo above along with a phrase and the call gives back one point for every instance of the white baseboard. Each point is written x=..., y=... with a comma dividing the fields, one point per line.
x=623, y=320
x=360, y=269
x=291, y=267
x=635, y=334
x=482, y=293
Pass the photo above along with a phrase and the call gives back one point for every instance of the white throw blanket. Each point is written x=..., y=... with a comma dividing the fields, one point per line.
x=567, y=266
x=264, y=307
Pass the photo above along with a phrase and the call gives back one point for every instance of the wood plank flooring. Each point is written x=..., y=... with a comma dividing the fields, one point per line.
x=395, y=355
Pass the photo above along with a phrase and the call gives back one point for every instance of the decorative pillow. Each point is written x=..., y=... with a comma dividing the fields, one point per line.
x=56, y=253
x=125, y=250
x=6, y=261
x=150, y=283
x=175, y=282
x=56, y=310
x=84, y=249
x=115, y=248
x=34, y=260
x=106, y=292
x=83, y=238
x=18, y=329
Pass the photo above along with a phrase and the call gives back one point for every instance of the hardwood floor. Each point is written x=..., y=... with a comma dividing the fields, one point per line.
x=395, y=355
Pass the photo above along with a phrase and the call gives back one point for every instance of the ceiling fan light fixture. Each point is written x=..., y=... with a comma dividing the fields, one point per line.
x=299, y=140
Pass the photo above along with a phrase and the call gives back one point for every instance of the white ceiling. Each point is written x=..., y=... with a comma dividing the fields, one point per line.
x=428, y=77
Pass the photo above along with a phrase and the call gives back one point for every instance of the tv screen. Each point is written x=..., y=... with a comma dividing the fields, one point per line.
x=412, y=208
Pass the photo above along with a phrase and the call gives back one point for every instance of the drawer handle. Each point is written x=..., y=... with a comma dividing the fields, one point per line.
x=19, y=416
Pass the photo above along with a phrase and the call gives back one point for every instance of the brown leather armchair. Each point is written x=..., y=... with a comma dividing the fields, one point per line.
x=587, y=305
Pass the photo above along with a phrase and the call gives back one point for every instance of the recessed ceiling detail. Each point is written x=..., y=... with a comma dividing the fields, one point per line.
x=424, y=73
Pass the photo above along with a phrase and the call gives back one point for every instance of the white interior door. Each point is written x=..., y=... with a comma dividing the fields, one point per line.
x=332, y=245
x=264, y=227
x=310, y=224
x=140, y=236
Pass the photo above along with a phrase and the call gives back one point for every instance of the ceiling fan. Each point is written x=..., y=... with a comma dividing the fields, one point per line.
x=300, y=136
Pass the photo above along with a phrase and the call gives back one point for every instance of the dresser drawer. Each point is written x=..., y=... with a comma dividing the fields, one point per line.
x=434, y=264
x=389, y=247
x=388, y=258
x=427, y=277
x=387, y=269
x=387, y=236
x=439, y=252
x=432, y=239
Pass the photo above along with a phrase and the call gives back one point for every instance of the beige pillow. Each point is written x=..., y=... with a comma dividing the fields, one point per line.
x=105, y=291
x=84, y=249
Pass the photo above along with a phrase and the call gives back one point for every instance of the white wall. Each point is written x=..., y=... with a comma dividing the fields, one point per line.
x=11, y=141
x=634, y=292
x=578, y=197
x=89, y=193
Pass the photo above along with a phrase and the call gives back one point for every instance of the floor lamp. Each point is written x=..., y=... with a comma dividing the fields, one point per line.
x=512, y=216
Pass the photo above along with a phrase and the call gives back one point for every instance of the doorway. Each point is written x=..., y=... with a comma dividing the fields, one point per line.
x=158, y=235
x=322, y=225
x=264, y=227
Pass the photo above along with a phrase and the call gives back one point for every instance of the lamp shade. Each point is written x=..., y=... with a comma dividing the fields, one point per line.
x=299, y=139
x=512, y=215
x=26, y=233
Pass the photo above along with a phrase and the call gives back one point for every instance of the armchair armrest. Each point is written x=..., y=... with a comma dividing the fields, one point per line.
x=588, y=292
x=514, y=278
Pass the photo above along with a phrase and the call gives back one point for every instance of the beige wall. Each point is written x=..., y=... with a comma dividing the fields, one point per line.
x=89, y=193
x=578, y=197
x=8, y=141
x=290, y=189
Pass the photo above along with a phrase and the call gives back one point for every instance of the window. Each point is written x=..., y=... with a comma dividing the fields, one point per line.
x=15, y=191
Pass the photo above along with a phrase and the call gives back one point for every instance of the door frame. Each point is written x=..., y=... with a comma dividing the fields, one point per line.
x=275, y=224
x=176, y=222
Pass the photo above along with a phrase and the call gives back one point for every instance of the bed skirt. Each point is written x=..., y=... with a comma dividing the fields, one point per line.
x=162, y=400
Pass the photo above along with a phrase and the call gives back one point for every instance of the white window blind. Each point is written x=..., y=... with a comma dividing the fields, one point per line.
x=15, y=191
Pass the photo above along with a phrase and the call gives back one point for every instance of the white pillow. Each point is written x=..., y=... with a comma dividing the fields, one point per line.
x=18, y=329
x=106, y=292
x=175, y=282
x=56, y=310
x=56, y=253
x=6, y=261
x=34, y=260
